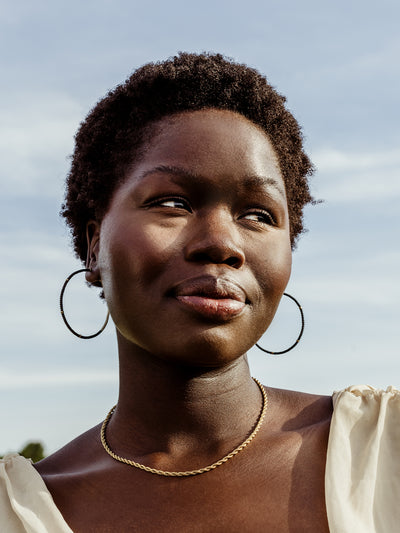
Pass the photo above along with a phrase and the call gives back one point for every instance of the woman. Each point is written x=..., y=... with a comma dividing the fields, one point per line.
x=184, y=199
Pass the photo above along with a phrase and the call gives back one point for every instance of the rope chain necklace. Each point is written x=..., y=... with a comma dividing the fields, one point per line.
x=187, y=472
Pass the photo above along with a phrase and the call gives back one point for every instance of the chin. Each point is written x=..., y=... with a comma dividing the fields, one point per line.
x=210, y=350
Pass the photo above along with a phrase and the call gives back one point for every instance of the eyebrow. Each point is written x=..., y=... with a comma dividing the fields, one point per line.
x=252, y=182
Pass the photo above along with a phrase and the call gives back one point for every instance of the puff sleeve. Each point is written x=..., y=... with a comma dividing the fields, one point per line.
x=362, y=479
x=26, y=505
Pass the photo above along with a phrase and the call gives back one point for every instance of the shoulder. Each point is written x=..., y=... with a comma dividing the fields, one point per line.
x=25, y=502
x=365, y=423
x=299, y=411
x=365, y=417
x=71, y=474
x=72, y=458
x=365, y=394
x=15, y=471
x=362, y=469
x=360, y=408
x=9, y=520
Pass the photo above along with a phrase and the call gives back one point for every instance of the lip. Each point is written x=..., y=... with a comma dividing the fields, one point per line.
x=212, y=297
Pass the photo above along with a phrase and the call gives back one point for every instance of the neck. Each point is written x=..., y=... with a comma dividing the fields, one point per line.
x=170, y=409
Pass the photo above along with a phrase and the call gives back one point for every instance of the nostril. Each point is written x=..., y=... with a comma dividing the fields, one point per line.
x=216, y=255
x=233, y=261
x=214, y=245
x=200, y=257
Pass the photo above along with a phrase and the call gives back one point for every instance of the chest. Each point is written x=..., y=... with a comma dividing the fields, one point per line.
x=280, y=490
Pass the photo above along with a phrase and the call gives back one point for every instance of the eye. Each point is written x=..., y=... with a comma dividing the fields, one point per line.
x=259, y=216
x=172, y=202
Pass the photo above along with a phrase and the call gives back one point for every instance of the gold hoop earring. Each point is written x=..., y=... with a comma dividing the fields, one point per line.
x=300, y=334
x=62, y=308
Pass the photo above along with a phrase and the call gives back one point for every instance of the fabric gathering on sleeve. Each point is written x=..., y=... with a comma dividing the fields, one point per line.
x=26, y=505
x=362, y=479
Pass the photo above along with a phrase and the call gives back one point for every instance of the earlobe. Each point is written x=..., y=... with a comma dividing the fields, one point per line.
x=93, y=243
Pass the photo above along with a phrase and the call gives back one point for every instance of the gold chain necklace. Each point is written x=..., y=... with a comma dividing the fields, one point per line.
x=187, y=472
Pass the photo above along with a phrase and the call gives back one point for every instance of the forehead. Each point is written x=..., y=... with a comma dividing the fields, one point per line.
x=216, y=144
x=209, y=131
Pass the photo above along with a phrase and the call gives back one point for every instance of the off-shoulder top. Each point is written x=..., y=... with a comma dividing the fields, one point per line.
x=362, y=478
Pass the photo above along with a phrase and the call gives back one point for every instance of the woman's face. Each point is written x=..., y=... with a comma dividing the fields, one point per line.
x=194, y=251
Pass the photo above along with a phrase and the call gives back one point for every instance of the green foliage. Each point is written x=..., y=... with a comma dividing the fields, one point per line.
x=32, y=450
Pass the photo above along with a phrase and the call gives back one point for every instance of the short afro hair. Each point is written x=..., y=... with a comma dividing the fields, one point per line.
x=112, y=135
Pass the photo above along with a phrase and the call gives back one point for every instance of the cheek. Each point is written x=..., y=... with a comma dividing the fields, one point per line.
x=136, y=256
x=273, y=273
x=274, y=267
x=284, y=269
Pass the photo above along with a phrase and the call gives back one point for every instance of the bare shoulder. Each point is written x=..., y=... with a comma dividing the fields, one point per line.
x=74, y=457
x=299, y=411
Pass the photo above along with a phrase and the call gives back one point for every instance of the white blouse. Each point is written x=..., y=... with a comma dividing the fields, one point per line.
x=26, y=506
x=362, y=479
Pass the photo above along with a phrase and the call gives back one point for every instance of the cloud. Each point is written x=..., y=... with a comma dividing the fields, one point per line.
x=36, y=137
x=18, y=380
x=357, y=176
x=355, y=290
x=330, y=160
x=369, y=64
x=34, y=266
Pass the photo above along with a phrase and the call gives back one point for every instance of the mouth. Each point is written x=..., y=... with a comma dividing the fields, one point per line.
x=211, y=297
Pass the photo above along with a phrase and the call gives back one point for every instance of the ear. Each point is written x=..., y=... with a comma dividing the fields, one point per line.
x=93, y=246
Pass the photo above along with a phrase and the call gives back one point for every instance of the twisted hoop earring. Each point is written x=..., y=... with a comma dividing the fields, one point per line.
x=301, y=330
x=62, y=308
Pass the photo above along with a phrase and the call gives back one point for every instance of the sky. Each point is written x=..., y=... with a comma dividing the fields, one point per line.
x=338, y=65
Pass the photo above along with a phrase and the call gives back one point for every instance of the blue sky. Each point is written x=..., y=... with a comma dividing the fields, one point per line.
x=338, y=65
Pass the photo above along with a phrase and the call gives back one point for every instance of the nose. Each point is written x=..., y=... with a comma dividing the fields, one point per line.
x=215, y=239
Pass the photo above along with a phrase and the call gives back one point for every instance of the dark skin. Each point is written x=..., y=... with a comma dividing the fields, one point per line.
x=194, y=255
